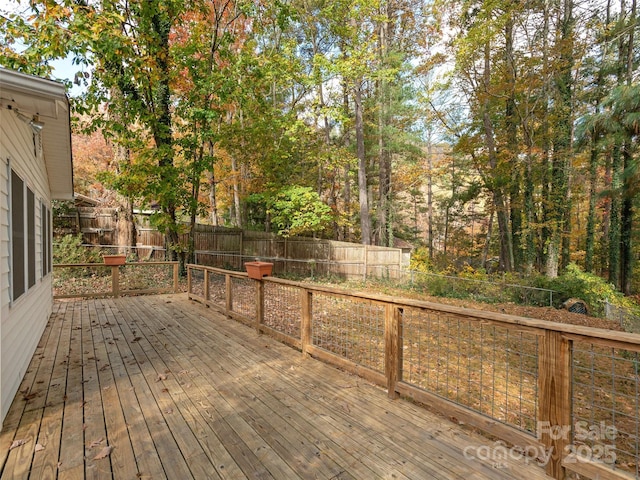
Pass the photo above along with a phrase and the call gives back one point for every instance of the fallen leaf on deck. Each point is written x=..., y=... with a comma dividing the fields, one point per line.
x=39, y=447
x=29, y=396
x=137, y=339
x=169, y=410
x=104, y=453
x=18, y=443
x=96, y=443
x=161, y=376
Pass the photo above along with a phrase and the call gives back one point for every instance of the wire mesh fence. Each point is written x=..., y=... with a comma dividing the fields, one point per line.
x=97, y=279
x=197, y=280
x=217, y=288
x=282, y=308
x=627, y=319
x=244, y=297
x=351, y=328
x=81, y=280
x=146, y=277
x=428, y=283
x=484, y=367
x=476, y=289
x=606, y=398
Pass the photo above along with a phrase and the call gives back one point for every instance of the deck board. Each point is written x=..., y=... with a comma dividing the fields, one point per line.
x=178, y=391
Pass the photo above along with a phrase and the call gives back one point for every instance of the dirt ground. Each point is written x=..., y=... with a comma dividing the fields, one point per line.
x=542, y=313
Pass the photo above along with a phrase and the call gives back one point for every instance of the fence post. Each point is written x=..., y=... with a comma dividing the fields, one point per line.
x=241, y=248
x=259, y=304
x=393, y=348
x=115, y=280
x=175, y=277
x=554, y=427
x=365, y=249
x=306, y=300
x=189, y=269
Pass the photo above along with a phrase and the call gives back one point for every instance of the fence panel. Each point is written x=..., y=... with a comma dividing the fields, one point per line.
x=485, y=367
x=606, y=389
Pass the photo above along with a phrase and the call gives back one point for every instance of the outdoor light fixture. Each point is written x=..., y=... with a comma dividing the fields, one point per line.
x=35, y=125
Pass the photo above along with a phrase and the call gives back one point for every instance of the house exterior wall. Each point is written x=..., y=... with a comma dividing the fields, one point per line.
x=21, y=321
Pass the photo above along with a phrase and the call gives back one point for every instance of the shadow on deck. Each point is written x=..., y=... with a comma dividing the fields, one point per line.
x=161, y=387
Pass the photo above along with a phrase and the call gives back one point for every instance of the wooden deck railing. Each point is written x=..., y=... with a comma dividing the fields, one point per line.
x=564, y=395
x=91, y=280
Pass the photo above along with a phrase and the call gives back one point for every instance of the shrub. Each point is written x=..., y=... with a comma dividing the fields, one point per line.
x=420, y=261
x=594, y=290
x=69, y=249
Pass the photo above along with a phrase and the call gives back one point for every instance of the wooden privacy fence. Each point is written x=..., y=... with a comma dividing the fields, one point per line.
x=563, y=396
x=230, y=247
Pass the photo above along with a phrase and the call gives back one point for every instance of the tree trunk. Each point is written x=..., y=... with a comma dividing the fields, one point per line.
x=511, y=120
x=626, y=233
x=506, y=247
x=430, y=198
x=626, y=224
x=125, y=228
x=365, y=219
x=487, y=242
x=211, y=179
x=560, y=206
x=237, y=217
x=591, y=216
x=385, y=232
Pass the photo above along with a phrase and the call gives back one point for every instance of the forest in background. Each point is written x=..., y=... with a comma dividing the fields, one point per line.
x=475, y=130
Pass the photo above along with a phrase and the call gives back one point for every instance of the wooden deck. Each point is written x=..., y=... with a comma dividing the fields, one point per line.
x=160, y=387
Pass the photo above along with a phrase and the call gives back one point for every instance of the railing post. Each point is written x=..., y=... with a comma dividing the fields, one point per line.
x=189, y=269
x=259, y=304
x=393, y=348
x=206, y=285
x=115, y=280
x=176, y=278
x=306, y=300
x=228, y=289
x=554, y=399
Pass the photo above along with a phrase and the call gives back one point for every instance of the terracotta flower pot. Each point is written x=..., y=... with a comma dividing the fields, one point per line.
x=257, y=270
x=114, y=259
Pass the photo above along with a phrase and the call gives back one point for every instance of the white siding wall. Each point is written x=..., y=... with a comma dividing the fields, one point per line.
x=21, y=323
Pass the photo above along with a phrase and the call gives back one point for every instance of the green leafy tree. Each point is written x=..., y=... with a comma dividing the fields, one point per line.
x=298, y=210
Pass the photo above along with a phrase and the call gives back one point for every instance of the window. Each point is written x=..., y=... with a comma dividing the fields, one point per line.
x=45, y=234
x=17, y=237
x=31, y=237
x=23, y=237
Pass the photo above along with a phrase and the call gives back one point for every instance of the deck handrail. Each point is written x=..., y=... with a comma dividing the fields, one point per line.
x=552, y=356
x=116, y=284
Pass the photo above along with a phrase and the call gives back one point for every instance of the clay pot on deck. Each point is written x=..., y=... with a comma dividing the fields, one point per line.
x=114, y=259
x=257, y=270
